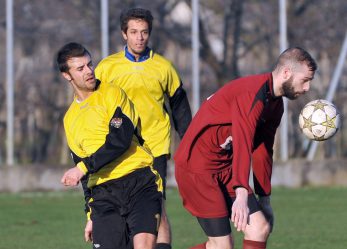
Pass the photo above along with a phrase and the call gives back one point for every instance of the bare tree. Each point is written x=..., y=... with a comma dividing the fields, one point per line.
x=236, y=38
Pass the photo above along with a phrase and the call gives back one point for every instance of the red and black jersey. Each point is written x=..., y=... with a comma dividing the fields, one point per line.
x=250, y=111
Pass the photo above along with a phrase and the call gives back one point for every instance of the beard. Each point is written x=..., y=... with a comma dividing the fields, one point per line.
x=288, y=89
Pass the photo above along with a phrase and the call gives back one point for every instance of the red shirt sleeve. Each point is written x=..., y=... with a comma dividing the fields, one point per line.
x=246, y=111
x=263, y=149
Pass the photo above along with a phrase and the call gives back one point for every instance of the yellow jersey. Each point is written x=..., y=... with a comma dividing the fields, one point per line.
x=100, y=133
x=146, y=83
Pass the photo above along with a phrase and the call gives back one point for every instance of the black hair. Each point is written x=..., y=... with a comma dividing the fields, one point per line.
x=68, y=51
x=134, y=14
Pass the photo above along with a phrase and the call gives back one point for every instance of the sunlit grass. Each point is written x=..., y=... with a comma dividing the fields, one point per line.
x=305, y=218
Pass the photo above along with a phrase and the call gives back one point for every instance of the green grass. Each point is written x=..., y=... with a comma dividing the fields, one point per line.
x=305, y=218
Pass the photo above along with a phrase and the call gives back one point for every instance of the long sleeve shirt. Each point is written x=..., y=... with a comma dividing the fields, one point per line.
x=249, y=107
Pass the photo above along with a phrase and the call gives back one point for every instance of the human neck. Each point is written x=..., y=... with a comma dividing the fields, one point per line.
x=81, y=96
x=276, y=81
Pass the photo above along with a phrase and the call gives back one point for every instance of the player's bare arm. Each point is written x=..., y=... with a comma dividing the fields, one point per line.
x=72, y=177
x=88, y=231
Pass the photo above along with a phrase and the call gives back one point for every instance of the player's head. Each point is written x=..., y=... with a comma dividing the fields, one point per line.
x=294, y=70
x=136, y=26
x=135, y=14
x=68, y=51
x=75, y=64
x=295, y=57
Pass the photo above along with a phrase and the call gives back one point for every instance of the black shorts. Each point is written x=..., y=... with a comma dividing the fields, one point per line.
x=124, y=207
x=160, y=165
x=215, y=227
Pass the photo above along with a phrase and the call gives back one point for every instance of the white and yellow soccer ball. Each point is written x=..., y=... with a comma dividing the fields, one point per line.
x=319, y=120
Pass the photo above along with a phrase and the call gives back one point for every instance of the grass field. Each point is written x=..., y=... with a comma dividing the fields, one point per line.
x=306, y=218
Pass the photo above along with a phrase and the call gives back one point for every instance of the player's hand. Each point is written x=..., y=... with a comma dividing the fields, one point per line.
x=265, y=205
x=240, y=210
x=72, y=177
x=88, y=231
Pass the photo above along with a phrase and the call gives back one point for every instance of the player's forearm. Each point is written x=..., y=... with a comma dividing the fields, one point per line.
x=262, y=169
x=241, y=192
x=117, y=142
x=181, y=113
x=86, y=191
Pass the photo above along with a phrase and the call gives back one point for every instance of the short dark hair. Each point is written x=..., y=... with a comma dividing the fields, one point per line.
x=134, y=14
x=68, y=51
x=297, y=54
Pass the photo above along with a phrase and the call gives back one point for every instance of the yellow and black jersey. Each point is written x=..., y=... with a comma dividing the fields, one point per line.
x=100, y=134
x=146, y=83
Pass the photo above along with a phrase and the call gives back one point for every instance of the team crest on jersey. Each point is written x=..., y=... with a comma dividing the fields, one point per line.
x=116, y=122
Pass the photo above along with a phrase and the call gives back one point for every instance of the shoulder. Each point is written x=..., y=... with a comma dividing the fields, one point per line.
x=69, y=113
x=164, y=62
x=253, y=80
x=250, y=83
x=110, y=92
x=112, y=58
x=241, y=89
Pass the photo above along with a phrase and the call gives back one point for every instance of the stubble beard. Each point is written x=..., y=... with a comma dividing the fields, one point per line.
x=288, y=90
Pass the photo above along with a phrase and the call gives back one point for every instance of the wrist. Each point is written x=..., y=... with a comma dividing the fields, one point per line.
x=81, y=166
x=241, y=191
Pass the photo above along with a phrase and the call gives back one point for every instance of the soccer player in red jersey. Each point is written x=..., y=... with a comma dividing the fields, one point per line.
x=234, y=131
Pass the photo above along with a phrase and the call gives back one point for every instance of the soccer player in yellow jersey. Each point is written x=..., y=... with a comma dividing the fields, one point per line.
x=148, y=78
x=100, y=126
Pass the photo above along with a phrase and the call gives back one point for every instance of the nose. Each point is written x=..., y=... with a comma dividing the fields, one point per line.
x=140, y=36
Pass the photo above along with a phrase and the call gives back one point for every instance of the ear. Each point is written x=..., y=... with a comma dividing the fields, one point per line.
x=287, y=72
x=124, y=36
x=67, y=76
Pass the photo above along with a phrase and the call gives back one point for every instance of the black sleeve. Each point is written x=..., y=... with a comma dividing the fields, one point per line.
x=258, y=189
x=84, y=182
x=86, y=191
x=118, y=140
x=181, y=113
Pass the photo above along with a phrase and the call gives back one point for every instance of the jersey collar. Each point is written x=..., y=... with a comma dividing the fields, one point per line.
x=144, y=56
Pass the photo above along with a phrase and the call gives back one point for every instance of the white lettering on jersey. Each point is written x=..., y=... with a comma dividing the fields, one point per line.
x=227, y=143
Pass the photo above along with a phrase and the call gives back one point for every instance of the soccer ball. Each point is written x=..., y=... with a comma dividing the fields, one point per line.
x=319, y=120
